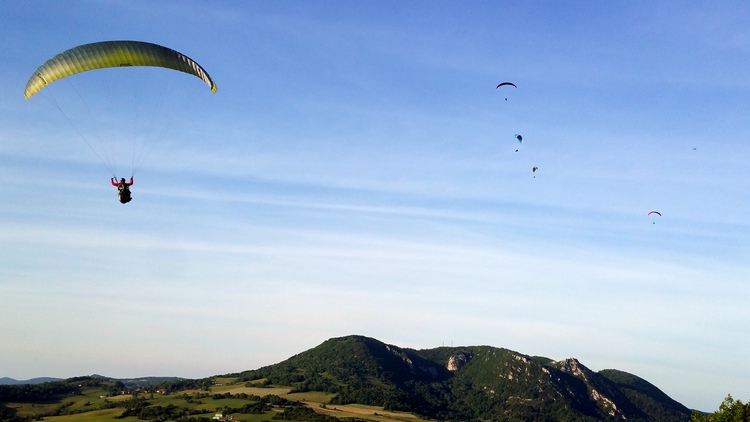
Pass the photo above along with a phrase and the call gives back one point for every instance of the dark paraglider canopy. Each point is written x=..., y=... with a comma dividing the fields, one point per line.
x=519, y=138
x=506, y=84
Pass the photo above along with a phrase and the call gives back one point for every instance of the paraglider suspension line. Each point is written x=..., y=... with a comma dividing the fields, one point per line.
x=81, y=134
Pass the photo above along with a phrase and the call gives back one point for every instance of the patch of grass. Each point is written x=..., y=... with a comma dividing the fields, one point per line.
x=32, y=409
x=93, y=416
x=257, y=391
x=311, y=396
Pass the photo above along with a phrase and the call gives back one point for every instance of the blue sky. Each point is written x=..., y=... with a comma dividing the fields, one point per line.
x=356, y=173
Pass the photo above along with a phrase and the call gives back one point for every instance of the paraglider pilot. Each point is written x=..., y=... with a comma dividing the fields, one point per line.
x=123, y=189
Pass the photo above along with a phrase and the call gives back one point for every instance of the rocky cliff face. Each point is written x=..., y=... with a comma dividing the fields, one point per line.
x=511, y=383
x=592, y=381
x=457, y=361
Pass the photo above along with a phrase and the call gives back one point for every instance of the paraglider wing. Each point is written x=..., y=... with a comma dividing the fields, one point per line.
x=534, y=169
x=506, y=83
x=112, y=54
x=519, y=138
x=655, y=212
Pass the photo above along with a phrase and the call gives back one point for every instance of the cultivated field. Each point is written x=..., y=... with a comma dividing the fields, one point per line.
x=89, y=406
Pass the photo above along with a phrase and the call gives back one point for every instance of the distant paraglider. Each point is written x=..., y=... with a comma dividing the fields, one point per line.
x=534, y=169
x=506, y=84
x=654, y=213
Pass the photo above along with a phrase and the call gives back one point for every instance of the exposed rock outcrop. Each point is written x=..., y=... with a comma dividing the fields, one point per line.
x=457, y=361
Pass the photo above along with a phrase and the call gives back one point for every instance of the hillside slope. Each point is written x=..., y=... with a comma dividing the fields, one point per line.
x=469, y=383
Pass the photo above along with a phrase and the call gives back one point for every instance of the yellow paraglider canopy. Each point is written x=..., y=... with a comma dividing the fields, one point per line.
x=112, y=54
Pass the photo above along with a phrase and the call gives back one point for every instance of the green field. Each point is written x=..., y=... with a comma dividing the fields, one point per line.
x=93, y=404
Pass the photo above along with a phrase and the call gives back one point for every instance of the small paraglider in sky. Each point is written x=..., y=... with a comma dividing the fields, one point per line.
x=534, y=169
x=506, y=84
x=519, y=138
x=654, y=213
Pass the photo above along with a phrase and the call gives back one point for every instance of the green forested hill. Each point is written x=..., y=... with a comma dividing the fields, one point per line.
x=339, y=378
x=464, y=383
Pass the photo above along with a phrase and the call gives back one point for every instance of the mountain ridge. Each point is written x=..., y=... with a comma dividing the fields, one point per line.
x=128, y=382
x=468, y=383
x=37, y=380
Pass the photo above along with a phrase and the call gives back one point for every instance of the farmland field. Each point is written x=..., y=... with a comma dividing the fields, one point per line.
x=226, y=396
